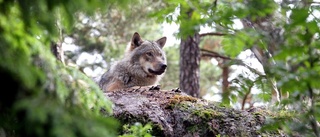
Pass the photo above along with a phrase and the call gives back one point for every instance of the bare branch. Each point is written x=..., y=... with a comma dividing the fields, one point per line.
x=208, y=53
x=213, y=54
x=213, y=34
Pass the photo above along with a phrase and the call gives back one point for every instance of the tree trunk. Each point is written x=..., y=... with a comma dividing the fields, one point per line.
x=173, y=113
x=225, y=76
x=189, y=65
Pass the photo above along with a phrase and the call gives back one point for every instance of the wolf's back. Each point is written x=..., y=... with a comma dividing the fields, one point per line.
x=105, y=80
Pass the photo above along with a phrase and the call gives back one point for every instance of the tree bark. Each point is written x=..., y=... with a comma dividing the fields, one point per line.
x=56, y=50
x=225, y=76
x=173, y=113
x=189, y=65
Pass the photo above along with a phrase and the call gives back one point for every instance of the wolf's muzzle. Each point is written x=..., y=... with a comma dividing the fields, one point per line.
x=162, y=68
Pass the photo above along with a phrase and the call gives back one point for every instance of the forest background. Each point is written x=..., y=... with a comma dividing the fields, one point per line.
x=243, y=54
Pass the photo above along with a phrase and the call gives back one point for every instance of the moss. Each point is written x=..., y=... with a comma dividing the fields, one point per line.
x=285, y=114
x=198, y=109
x=181, y=98
x=177, y=99
x=276, y=114
x=193, y=128
x=157, y=130
x=256, y=113
x=207, y=113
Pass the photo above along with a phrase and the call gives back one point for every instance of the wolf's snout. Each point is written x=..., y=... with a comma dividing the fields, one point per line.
x=160, y=69
x=163, y=66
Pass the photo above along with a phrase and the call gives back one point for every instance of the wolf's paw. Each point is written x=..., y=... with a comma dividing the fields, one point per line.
x=176, y=90
x=135, y=88
x=157, y=87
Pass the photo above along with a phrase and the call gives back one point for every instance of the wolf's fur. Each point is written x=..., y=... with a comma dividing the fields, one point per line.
x=144, y=64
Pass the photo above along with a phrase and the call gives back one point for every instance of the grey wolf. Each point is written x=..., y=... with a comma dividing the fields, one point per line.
x=144, y=64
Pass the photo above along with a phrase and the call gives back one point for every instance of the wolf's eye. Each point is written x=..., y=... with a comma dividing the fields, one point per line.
x=149, y=53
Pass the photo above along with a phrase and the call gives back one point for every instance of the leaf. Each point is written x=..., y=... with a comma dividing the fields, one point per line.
x=299, y=16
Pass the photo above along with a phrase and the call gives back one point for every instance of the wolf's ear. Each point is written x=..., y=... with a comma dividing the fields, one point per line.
x=162, y=41
x=136, y=40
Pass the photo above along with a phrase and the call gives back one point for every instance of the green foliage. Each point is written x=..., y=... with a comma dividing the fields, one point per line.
x=105, y=34
x=42, y=96
x=188, y=14
x=50, y=99
x=293, y=64
x=299, y=79
x=137, y=130
x=240, y=41
x=284, y=37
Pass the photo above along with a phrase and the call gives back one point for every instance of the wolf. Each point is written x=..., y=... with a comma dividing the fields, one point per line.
x=144, y=64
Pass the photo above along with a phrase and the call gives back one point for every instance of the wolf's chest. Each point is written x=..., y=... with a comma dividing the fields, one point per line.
x=139, y=81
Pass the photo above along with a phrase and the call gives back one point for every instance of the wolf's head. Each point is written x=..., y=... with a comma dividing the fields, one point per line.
x=148, y=54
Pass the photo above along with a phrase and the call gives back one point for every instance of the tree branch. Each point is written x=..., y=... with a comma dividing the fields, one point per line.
x=208, y=53
x=213, y=34
x=246, y=96
x=213, y=54
x=56, y=50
